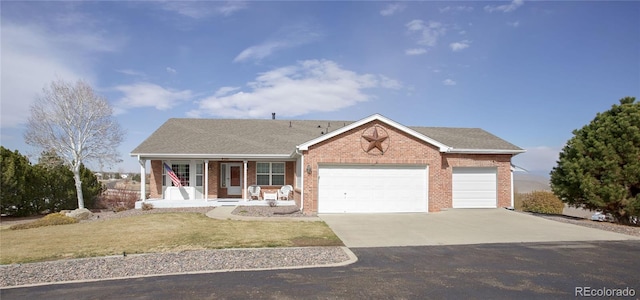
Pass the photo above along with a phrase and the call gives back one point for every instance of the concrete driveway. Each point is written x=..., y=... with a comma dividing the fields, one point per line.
x=457, y=226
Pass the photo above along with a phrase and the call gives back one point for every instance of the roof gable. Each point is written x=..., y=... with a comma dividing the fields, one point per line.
x=378, y=117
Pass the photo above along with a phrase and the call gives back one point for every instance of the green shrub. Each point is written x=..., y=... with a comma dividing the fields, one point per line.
x=48, y=220
x=543, y=202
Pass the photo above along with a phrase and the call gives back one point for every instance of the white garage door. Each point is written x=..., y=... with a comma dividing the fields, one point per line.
x=474, y=188
x=372, y=189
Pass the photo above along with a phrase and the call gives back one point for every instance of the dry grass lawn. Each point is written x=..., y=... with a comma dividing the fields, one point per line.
x=156, y=233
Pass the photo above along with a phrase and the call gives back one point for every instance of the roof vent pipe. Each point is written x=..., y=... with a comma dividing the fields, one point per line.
x=273, y=116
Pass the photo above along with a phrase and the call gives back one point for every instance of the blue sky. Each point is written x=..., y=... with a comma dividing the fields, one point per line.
x=528, y=72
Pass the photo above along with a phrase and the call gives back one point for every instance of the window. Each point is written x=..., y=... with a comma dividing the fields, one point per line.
x=199, y=174
x=223, y=175
x=181, y=169
x=270, y=173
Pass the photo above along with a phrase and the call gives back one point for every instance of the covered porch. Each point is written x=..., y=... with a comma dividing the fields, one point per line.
x=206, y=182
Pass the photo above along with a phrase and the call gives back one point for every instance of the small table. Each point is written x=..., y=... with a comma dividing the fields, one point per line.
x=270, y=196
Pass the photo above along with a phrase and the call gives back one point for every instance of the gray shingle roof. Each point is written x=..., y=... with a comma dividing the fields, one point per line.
x=466, y=138
x=233, y=136
x=280, y=137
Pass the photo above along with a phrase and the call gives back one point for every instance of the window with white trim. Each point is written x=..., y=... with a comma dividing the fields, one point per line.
x=223, y=175
x=268, y=173
x=199, y=174
x=181, y=169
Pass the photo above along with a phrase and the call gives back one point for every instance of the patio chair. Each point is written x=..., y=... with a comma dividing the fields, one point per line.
x=254, y=191
x=284, y=191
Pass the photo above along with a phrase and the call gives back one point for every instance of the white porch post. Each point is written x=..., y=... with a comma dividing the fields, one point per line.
x=206, y=180
x=244, y=190
x=303, y=170
x=143, y=179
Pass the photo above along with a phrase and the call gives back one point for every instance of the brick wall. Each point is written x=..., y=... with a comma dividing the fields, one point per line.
x=401, y=148
x=155, y=179
x=214, y=179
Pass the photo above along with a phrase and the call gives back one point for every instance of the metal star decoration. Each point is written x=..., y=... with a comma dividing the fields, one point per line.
x=375, y=140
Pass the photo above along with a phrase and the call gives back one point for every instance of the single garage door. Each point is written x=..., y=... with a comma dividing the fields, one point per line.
x=372, y=189
x=474, y=188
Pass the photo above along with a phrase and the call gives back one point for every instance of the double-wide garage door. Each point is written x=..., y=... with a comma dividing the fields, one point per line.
x=474, y=187
x=372, y=189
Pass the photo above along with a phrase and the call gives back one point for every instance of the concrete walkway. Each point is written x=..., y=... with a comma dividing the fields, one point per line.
x=457, y=226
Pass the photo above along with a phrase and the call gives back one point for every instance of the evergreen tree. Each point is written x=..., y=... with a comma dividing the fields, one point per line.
x=48, y=186
x=15, y=195
x=599, y=168
x=58, y=188
x=91, y=187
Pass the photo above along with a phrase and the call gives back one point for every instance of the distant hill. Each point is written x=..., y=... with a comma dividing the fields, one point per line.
x=527, y=182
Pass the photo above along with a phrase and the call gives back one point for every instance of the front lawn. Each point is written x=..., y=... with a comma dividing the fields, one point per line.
x=162, y=232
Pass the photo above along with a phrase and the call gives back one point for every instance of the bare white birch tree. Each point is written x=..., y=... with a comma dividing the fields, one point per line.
x=75, y=123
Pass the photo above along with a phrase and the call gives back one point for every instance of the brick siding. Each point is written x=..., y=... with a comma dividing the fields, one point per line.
x=403, y=149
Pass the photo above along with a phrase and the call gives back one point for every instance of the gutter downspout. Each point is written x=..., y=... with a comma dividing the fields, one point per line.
x=512, y=190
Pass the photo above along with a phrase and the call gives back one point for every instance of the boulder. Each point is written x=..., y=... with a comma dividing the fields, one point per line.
x=80, y=214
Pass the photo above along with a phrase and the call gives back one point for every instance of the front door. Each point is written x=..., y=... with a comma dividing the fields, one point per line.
x=234, y=179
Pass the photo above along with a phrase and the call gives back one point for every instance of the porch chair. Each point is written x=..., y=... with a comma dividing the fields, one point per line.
x=284, y=191
x=254, y=191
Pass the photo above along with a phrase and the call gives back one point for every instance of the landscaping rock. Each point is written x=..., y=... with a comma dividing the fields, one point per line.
x=268, y=211
x=80, y=214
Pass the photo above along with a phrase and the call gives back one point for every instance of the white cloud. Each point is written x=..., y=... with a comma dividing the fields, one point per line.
x=428, y=34
x=449, y=82
x=392, y=9
x=150, y=95
x=505, y=7
x=285, y=38
x=459, y=8
x=203, y=9
x=259, y=52
x=538, y=158
x=131, y=72
x=389, y=83
x=171, y=70
x=458, y=46
x=308, y=86
x=37, y=55
x=514, y=24
x=231, y=7
x=415, y=25
x=415, y=51
x=225, y=90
